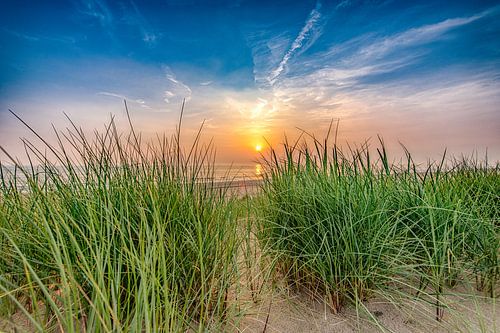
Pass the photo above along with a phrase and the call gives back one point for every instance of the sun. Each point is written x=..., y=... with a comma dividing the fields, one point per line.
x=258, y=148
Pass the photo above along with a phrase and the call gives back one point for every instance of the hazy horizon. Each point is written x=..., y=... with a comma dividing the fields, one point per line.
x=425, y=74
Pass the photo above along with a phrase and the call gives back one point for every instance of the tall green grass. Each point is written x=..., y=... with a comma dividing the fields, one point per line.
x=115, y=234
x=346, y=224
x=108, y=232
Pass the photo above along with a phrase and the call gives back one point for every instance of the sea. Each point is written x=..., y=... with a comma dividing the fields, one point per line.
x=240, y=177
x=239, y=172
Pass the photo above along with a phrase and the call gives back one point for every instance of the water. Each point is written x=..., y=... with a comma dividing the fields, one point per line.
x=233, y=175
x=239, y=172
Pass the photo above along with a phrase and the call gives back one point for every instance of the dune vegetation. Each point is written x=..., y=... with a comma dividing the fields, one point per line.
x=347, y=225
x=109, y=233
x=112, y=236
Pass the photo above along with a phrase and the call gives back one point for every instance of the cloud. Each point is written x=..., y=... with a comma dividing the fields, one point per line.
x=140, y=101
x=343, y=4
x=344, y=66
x=21, y=35
x=306, y=32
x=36, y=38
x=149, y=38
x=274, y=54
x=267, y=53
x=97, y=9
x=177, y=89
x=168, y=95
x=206, y=83
x=105, y=93
x=130, y=15
x=415, y=36
x=136, y=18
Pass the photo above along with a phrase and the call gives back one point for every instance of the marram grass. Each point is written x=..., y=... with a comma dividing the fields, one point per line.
x=344, y=226
x=111, y=234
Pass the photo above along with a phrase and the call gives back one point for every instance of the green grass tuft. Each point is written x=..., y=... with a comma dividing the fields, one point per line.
x=343, y=226
x=111, y=234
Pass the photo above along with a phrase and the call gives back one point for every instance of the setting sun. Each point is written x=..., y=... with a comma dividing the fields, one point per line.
x=258, y=148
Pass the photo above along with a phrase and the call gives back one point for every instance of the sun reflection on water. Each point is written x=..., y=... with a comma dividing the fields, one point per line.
x=258, y=170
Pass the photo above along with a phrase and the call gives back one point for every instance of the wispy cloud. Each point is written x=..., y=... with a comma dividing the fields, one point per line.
x=21, y=35
x=346, y=65
x=168, y=95
x=267, y=53
x=97, y=9
x=37, y=38
x=109, y=19
x=343, y=4
x=149, y=36
x=415, y=36
x=140, y=101
x=306, y=32
x=177, y=89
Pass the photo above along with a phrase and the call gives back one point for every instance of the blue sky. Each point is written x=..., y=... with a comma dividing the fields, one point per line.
x=425, y=73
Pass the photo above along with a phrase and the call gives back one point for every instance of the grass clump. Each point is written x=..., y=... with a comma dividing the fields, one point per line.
x=343, y=226
x=113, y=234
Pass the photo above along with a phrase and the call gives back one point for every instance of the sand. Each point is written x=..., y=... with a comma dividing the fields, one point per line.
x=279, y=310
x=299, y=314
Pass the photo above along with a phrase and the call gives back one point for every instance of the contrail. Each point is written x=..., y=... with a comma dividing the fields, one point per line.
x=314, y=16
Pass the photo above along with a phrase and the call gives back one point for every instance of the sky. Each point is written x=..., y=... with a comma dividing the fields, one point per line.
x=423, y=73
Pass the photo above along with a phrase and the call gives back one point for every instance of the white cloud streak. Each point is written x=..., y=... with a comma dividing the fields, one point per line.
x=140, y=101
x=182, y=85
x=415, y=36
x=344, y=66
x=313, y=18
x=22, y=35
x=136, y=18
x=97, y=9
